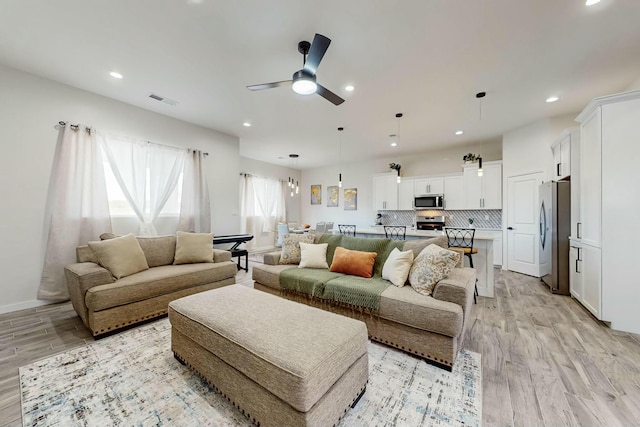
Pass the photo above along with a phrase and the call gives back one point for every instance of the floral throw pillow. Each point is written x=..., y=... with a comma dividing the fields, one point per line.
x=291, y=247
x=432, y=265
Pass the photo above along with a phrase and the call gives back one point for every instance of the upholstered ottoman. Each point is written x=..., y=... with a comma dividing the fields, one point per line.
x=282, y=363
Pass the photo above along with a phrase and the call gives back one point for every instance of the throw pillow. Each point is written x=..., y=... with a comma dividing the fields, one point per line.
x=355, y=263
x=193, y=247
x=122, y=256
x=432, y=265
x=291, y=247
x=396, y=267
x=313, y=255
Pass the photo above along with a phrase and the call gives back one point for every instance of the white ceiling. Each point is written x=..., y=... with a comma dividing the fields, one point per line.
x=424, y=58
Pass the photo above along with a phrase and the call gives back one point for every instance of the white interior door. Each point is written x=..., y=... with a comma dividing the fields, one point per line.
x=522, y=223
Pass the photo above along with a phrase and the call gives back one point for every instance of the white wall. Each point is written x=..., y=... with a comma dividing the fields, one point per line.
x=258, y=168
x=528, y=148
x=30, y=108
x=635, y=85
x=360, y=175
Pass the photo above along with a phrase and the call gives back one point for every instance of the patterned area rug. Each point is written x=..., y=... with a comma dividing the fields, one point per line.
x=132, y=379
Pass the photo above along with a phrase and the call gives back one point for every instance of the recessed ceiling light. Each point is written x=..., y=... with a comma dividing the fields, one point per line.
x=393, y=144
x=552, y=99
x=349, y=88
x=246, y=124
x=459, y=132
x=115, y=75
x=591, y=2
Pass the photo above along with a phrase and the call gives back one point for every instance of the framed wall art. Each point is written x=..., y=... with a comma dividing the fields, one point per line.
x=332, y=196
x=350, y=199
x=316, y=194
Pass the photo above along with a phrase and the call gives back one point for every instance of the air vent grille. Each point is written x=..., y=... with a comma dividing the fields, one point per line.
x=163, y=99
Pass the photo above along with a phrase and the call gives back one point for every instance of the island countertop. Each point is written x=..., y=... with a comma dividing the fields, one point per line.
x=379, y=230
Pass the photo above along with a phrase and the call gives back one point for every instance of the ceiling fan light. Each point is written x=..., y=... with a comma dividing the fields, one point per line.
x=303, y=83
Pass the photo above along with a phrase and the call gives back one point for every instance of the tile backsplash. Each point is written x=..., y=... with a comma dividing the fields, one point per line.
x=452, y=218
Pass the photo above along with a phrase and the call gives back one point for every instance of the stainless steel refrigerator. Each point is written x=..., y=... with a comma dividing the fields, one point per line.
x=555, y=227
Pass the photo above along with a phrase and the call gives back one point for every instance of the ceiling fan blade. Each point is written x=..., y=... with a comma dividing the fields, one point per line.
x=328, y=95
x=319, y=46
x=269, y=85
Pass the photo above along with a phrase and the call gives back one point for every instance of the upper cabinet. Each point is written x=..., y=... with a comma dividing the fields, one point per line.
x=405, y=194
x=429, y=186
x=454, y=193
x=561, y=149
x=385, y=191
x=483, y=192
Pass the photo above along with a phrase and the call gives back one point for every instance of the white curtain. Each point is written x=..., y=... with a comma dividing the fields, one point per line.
x=262, y=206
x=195, y=207
x=78, y=205
x=147, y=174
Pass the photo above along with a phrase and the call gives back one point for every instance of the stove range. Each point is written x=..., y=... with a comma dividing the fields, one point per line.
x=430, y=222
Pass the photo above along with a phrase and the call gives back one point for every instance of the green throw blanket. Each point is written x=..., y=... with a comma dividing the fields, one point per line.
x=356, y=291
x=340, y=288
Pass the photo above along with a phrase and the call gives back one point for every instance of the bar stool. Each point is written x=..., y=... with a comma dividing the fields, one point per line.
x=461, y=240
x=395, y=232
x=347, y=229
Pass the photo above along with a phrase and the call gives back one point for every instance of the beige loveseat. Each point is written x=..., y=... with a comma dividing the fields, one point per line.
x=105, y=304
x=431, y=327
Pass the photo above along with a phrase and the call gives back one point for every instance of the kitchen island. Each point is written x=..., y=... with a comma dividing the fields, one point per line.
x=482, y=261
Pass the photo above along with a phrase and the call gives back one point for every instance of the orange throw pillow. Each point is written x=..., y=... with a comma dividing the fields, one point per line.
x=355, y=263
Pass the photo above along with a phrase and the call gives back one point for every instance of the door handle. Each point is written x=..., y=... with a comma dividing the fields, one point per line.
x=510, y=228
x=558, y=169
x=578, y=230
x=577, y=270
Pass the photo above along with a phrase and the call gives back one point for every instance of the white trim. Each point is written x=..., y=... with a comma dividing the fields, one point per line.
x=608, y=99
x=24, y=305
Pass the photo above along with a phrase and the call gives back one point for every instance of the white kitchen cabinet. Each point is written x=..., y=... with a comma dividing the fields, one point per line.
x=609, y=205
x=575, y=183
x=454, y=193
x=434, y=185
x=561, y=149
x=406, y=194
x=385, y=191
x=590, y=267
x=497, y=248
x=483, y=192
x=575, y=270
x=588, y=229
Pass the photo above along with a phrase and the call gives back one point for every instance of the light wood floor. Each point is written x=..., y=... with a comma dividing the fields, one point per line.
x=545, y=360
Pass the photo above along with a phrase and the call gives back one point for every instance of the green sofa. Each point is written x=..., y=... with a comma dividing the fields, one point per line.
x=431, y=327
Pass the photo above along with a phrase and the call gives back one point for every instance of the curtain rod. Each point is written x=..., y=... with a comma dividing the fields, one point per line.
x=88, y=129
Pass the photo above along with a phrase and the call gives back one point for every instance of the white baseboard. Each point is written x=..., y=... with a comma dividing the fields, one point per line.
x=23, y=305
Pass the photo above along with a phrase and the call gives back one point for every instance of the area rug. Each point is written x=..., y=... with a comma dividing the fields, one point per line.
x=133, y=379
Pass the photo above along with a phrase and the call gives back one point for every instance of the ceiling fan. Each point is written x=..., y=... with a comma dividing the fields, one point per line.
x=303, y=81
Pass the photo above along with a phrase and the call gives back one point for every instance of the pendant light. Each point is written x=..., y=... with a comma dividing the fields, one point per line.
x=398, y=116
x=293, y=184
x=340, y=129
x=480, y=95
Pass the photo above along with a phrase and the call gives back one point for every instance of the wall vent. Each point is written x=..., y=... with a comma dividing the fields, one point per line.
x=163, y=99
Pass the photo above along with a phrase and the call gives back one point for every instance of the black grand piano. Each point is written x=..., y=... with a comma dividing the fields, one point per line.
x=237, y=240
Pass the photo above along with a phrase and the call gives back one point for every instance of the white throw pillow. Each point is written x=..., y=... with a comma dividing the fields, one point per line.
x=193, y=248
x=122, y=256
x=396, y=267
x=313, y=255
x=432, y=265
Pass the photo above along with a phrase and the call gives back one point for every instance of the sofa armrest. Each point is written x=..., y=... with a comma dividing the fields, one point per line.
x=458, y=287
x=272, y=258
x=81, y=277
x=220, y=255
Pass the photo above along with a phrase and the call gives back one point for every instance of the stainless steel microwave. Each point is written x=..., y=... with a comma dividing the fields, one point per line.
x=429, y=201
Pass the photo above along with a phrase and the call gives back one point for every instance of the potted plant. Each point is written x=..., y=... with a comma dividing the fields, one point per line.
x=469, y=158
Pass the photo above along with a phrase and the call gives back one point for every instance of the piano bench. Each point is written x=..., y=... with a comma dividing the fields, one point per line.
x=241, y=253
